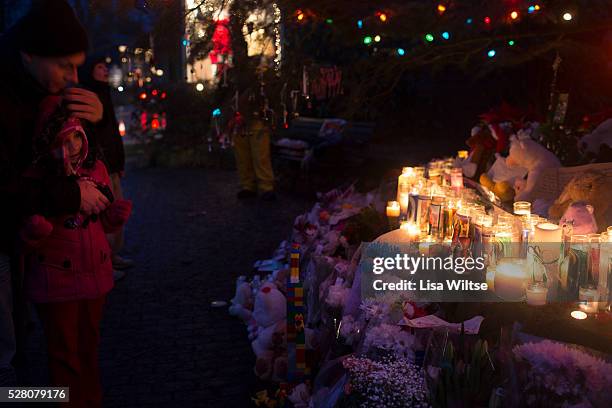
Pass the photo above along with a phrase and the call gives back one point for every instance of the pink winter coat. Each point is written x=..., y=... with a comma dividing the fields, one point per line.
x=73, y=263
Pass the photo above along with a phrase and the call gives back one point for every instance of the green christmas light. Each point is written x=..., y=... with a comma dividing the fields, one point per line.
x=511, y=43
x=367, y=40
x=329, y=21
x=429, y=37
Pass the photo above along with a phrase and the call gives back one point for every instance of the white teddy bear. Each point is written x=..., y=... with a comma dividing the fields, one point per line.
x=529, y=154
x=270, y=339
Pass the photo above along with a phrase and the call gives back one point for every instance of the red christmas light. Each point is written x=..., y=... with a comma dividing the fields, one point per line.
x=487, y=20
x=143, y=96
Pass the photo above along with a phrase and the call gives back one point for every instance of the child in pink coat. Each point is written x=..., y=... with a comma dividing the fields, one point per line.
x=67, y=259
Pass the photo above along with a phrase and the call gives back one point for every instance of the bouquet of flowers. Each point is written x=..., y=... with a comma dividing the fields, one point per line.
x=387, y=383
x=558, y=374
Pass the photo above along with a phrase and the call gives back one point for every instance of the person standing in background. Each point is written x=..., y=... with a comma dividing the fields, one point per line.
x=251, y=128
x=94, y=76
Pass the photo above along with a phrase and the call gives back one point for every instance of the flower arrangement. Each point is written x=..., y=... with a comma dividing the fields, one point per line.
x=387, y=383
x=390, y=339
x=557, y=373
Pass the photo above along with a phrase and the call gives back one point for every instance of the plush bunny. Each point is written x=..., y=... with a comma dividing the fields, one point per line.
x=529, y=154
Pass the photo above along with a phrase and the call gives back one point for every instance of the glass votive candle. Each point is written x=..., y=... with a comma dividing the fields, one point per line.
x=536, y=294
x=393, y=213
x=456, y=177
x=510, y=279
x=522, y=208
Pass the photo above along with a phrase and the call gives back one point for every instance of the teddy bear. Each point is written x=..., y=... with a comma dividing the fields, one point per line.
x=591, y=187
x=580, y=214
x=529, y=154
x=270, y=341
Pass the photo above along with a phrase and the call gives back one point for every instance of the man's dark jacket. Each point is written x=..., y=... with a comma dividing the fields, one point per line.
x=20, y=96
x=107, y=131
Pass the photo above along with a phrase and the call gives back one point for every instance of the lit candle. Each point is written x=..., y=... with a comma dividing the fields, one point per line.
x=411, y=229
x=522, y=208
x=456, y=178
x=578, y=314
x=536, y=294
x=548, y=237
x=510, y=279
x=393, y=209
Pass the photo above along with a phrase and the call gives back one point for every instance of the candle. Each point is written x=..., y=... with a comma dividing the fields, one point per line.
x=588, y=299
x=547, y=232
x=548, y=237
x=536, y=294
x=393, y=209
x=456, y=176
x=578, y=314
x=522, y=208
x=405, y=181
x=510, y=279
x=410, y=229
x=462, y=154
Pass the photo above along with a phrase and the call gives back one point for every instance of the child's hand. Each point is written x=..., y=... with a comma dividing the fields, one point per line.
x=119, y=212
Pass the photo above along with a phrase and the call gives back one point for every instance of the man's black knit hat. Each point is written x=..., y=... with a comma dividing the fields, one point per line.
x=50, y=29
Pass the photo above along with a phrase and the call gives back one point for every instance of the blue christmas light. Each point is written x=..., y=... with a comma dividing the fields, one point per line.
x=217, y=112
x=531, y=9
x=446, y=35
x=185, y=43
x=469, y=21
x=360, y=23
x=491, y=53
x=401, y=51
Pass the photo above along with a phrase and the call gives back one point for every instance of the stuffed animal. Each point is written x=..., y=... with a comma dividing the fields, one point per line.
x=529, y=154
x=270, y=342
x=591, y=187
x=502, y=189
x=242, y=303
x=580, y=214
x=482, y=148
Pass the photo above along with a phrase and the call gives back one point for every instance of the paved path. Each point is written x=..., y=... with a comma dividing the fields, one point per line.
x=162, y=343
